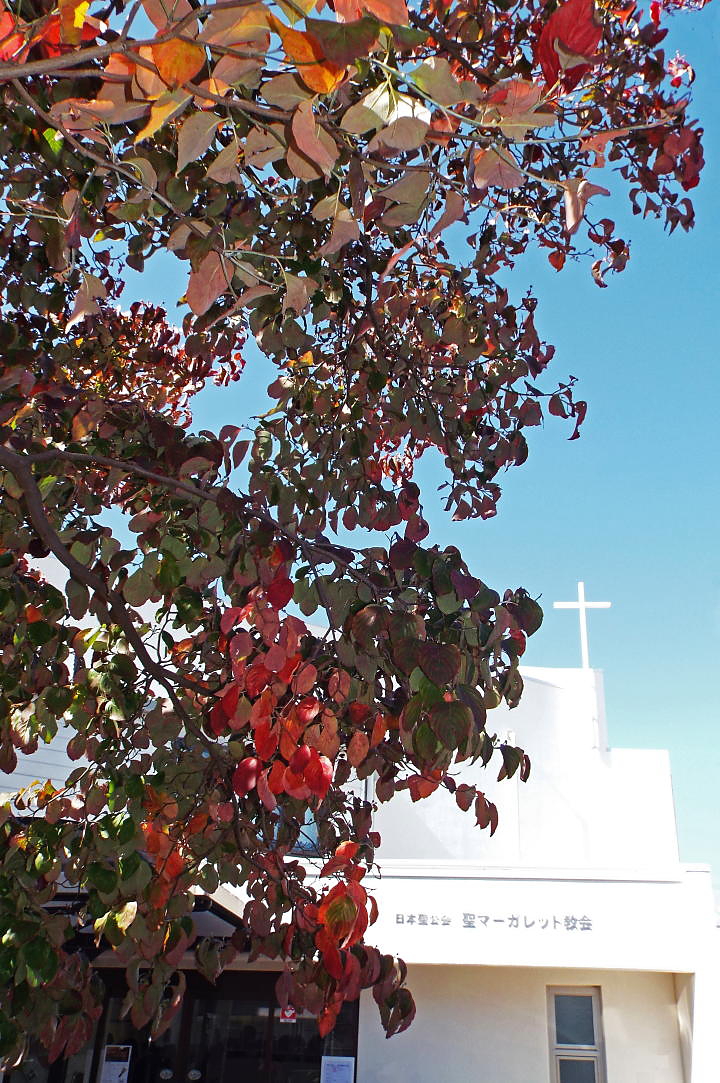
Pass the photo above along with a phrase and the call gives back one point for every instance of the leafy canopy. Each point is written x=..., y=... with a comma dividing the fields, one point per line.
x=308, y=163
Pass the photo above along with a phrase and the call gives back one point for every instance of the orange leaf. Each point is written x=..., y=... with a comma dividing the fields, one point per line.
x=421, y=787
x=344, y=854
x=205, y=285
x=306, y=52
x=178, y=61
x=338, y=912
x=380, y=728
x=161, y=13
x=72, y=18
x=173, y=867
x=306, y=135
x=358, y=748
x=388, y=11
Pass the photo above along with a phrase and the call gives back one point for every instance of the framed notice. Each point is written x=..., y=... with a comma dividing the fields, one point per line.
x=337, y=1070
x=116, y=1064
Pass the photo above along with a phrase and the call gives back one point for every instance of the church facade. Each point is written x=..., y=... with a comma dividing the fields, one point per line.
x=573, y=947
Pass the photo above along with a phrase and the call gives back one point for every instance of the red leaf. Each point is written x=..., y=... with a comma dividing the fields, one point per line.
x=304, y=680
x=358, y=748
x=12, y=41
x=568, y=42
x=256, y=677
x=275, y=658
x=489, y=169
x=207, y=283
x=578, y=190
x=245, y=776
x=307, y=709
x=305, y=133
x=280, y=591
x=318, y=775
x=327, y=1020
x=379, y=730
x=295, y=785
x=265, y=793
x=453, y=211
x=266, y=740
x=465, y=795
x=440, y=662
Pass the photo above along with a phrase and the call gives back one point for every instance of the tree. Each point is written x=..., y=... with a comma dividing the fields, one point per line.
x=308, y=163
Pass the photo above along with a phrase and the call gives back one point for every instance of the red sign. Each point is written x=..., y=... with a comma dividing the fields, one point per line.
x=288, y=1015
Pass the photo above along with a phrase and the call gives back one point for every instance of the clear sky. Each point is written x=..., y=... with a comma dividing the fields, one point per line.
x=632, y=507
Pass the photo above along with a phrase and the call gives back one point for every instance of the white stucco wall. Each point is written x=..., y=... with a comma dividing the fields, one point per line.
x=489, y=1025
x=585, y=806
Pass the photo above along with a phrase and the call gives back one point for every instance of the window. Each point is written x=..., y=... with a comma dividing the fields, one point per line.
x=308, y=844
x=576, y=1041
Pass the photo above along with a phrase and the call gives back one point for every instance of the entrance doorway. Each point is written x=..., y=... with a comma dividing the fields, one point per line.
x=230, y=1032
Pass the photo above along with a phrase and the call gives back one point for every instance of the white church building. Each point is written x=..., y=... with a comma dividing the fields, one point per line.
x=572, y=947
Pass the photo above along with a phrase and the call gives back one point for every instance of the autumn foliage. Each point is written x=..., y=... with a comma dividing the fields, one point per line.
x=348, y=183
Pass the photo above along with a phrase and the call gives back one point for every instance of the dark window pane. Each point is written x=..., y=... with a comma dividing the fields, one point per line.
x=150, y=1061
x=574, y=1020
x=228, y=1042
x=577, y=1071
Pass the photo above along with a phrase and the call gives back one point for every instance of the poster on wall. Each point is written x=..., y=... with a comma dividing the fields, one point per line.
x=116, y=1064
x=337, y=1070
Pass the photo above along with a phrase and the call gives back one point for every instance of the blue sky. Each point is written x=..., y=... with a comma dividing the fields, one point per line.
x=632, y=507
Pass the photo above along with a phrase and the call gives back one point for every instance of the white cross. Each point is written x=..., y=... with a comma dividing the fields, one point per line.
x=582, y=606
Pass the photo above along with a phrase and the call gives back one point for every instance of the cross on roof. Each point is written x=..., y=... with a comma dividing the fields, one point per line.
x=582, y=607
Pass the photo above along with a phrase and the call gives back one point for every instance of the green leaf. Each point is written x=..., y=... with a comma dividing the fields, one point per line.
x=125, y=832
x=125, y=917
x=435, y=79
x=138, y=588
x=343, y=43
x=406, y=37
x=40, y=960
x=102, y=878
x=486, y=598
x=54, y=139
x=40, y=632
x=424, y=743
x=472, y=699
x=512, y=758
x=448, y=603
x=412, y=712
x=426, y=690
x=451, y=722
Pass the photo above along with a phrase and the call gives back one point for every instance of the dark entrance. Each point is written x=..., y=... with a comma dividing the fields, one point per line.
x=230, y=1032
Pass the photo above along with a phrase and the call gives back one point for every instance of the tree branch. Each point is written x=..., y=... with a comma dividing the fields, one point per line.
x=18, y=466
x=322, y=552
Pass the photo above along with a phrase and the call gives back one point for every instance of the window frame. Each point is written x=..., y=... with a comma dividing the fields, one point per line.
x=594, y=1053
